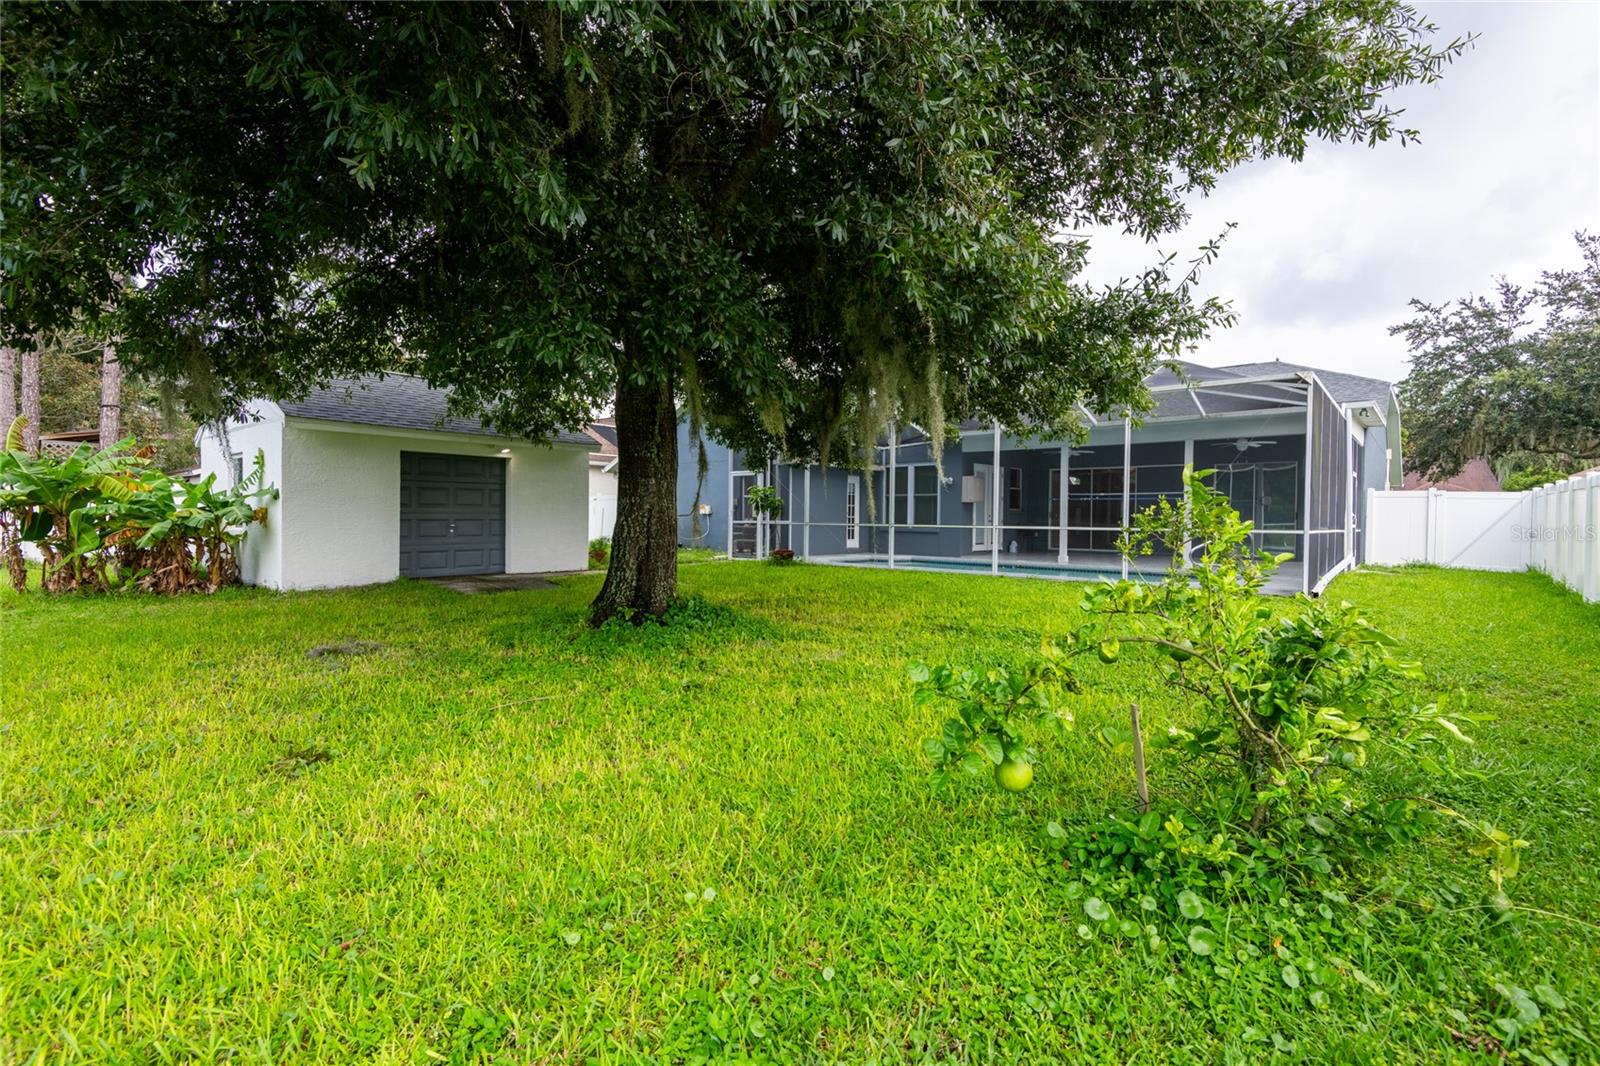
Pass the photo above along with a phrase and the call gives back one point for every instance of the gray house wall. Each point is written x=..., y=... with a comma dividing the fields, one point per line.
x=1158, y=449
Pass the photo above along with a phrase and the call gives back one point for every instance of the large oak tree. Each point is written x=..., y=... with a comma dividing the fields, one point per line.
x=1514, y=377
x=796, y=222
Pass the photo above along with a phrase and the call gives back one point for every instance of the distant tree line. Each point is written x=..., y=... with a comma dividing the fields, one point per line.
x=1513, y=377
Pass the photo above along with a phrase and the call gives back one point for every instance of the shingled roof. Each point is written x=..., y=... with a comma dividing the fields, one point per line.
x=400, y=401
x=1344, y=388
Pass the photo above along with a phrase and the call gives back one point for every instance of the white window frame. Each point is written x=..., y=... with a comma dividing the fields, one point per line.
x=1014, y=488
x=852, y=511
x=236, y=467
x=1055, y=502
x=905, y=482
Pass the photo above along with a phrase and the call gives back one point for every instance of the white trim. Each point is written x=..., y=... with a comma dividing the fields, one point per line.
x=994, y=516
x=1338, y=568
x=852, y=512
x=911, y=493
x=805, y=543
x=1063, y=492
x=1216, y=383
x=323, y=425
x=1262, y=412
x=1127, y=481
x=1250, y=396
x=1305, y=540
x=982, y=525
x=1188, y=469
x=894, y=444
x=733, y=506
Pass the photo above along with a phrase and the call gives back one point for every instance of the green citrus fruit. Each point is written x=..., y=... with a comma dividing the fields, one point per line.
x=1013, y=776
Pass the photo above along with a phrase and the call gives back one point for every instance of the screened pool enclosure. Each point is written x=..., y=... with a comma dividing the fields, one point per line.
x=1289, y=454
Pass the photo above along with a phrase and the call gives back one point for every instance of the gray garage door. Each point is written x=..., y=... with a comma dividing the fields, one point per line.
x=452, y=515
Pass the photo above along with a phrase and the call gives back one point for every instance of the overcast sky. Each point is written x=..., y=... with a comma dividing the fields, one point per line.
x=1328, y=251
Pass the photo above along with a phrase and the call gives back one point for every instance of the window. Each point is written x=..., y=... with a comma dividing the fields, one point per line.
x=852, y=512
x=919, y=483
x=1014, y=488
x=236, y=466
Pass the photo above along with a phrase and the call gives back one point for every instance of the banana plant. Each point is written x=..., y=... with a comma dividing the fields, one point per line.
x=109, y=508
x=60, y=503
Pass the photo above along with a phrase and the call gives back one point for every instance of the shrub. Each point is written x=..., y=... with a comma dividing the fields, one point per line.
x=106, y=518
x=765, y=501
x=782, y=556
x=1288, y=707
x=991, y=710
x=1532, y=478
x=599, y=553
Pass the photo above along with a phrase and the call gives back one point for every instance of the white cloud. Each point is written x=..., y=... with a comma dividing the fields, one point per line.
x=1328, y=251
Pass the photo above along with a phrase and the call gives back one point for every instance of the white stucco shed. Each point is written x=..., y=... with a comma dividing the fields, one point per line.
x=377, y=481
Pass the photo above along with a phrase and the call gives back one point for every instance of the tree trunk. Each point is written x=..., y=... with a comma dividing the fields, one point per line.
x=30, y=401
x=110, y=397
x=642, y=579
x=8, y=389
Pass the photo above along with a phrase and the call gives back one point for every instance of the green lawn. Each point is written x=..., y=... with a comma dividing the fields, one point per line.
x=488, y=833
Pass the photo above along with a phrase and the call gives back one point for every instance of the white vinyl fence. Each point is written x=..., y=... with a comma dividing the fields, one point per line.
x=1554, y=528
x=602, y=515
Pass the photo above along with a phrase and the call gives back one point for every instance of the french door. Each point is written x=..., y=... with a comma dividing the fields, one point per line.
x=852, y=511
x=744, y=527
x=983, y=510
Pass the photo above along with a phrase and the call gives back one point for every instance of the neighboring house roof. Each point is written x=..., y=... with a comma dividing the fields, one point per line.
x=603, y=431
x=1476, y=476
x=400, y=401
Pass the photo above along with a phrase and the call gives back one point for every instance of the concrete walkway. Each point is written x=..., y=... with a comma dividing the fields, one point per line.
x=477, y=583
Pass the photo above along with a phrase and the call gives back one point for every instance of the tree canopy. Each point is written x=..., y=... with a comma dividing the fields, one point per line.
x=799, y=221
x=1514, y=377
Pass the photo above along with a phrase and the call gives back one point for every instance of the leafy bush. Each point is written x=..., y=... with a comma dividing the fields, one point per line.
x=684, y=612
x=781, y=556
x=107, y=518
x=764, y=500
x=985, y=733
x=1288, y=708
x=599, y=553
x=1532, y=478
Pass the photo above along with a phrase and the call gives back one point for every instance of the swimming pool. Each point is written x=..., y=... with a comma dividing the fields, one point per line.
x=981, y=566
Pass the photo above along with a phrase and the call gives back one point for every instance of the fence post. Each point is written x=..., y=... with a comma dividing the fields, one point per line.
x=805, y=543
x=1564, y=532
x=1430, y=529
x=1367, y=524
x=1591, y=495
x=1536, y=528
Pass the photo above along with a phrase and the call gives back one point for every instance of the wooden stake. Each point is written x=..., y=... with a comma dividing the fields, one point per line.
x=1138, y=760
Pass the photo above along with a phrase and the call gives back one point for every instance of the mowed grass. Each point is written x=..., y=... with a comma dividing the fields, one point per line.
x=478, y=831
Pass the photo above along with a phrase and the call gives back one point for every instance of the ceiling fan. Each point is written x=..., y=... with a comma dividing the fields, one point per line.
x=1246, y=443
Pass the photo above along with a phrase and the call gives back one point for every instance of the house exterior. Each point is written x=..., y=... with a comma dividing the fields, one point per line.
x=602, y=476
x=1476, y=476
x=1295, y=448
x=377, y=481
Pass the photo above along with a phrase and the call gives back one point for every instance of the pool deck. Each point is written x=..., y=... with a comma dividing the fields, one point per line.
x=1081, y=566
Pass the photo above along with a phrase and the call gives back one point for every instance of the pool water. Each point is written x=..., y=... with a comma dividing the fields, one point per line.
x=979, y=566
